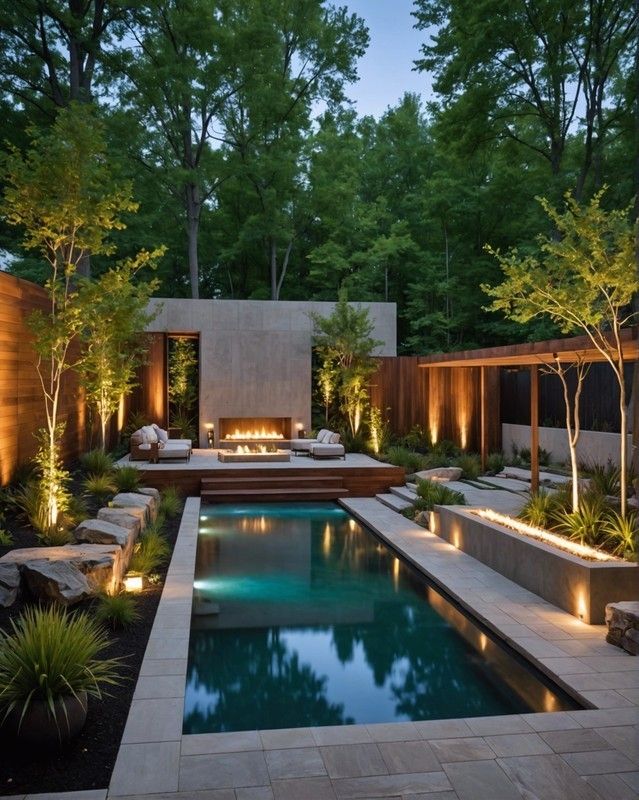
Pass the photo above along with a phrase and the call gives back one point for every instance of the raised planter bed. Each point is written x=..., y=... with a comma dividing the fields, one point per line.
x=581, y=587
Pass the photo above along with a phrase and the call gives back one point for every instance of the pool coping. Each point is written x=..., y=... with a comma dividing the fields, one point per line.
x=154, y=754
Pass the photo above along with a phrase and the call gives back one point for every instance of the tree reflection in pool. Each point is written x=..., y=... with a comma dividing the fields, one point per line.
x=320, y=623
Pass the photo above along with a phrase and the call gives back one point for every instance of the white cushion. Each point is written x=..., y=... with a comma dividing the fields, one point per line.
x=163, y=436
x=323, y=436
x=149, y=434
x=321, y=433
x=333, y=439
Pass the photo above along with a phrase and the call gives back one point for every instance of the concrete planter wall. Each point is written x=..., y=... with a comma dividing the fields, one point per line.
x=593, y=446
x=580, y=587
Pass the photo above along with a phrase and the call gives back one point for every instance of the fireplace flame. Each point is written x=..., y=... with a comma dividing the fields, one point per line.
x=254, y=434
x=244, y=448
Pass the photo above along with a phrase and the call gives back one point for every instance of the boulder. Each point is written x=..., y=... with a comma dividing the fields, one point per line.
x=622, y=620
x=98, y=531
x=9, y=584
x=440, y=474
x=151, y=492
x=70, y=572
x=122, y=518
x=132, y=501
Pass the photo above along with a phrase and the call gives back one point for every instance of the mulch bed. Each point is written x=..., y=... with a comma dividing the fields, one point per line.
x=87, y=762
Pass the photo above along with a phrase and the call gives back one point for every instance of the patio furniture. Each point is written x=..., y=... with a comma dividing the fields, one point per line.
x=304, y=446
x=152, y=443
x=328, y=450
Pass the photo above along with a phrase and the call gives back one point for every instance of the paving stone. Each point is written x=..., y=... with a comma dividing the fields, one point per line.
x=390, y=786
x=146, y=769
x=624, y=738
x=88, y=794
x=611, y=787
x=301, y=762
x=595, y=718
x=595, y=762
x=303, y=789
x=202, y=743
x=408, y=757
x=341, y=734
x=548, y=721
x=393, y=731
x=575, y=741
x=159, y=686
x=518, y=744
x=287, y=737
x=486, y=726
x=632, y=779
x=223, y=771
x=480, y=780
x=152, y=667
x=449, y=750
x=443, y=729
x=353, y=760
x=546, y=777
x=154, y=721
x=252, y=793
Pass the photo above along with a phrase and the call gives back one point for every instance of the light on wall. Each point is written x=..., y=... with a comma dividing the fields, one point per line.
x=210, y=433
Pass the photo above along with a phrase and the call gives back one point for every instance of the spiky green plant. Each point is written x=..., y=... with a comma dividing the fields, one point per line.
x=402, y=457
x=117, y=610
x=151, y=551
x=605, y=478
x=126, y=479
x=470, y=465
x=621, y=533
x=434, y=494
x=170, y=501
x=49, y=654
x=96, y=462
x=32, y=501
x=495, y=463
x=586, y=524
x=6, y=538
x=539, y=509
x=75, y=511
x=99, y=486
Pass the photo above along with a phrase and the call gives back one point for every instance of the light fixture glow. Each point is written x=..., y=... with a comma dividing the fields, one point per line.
x=133, y=583
x=581, y=550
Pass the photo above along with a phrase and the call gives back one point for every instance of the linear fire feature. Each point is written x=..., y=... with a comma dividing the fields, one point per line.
x=236, y=431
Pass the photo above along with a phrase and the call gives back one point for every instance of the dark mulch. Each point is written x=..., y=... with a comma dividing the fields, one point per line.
x=86, y=763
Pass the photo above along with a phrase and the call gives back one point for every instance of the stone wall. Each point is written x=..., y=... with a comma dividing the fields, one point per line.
x=255, y=355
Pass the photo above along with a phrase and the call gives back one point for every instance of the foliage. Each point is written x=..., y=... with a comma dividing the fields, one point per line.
x=96, y=462
x=185, y=426
x=170, y=501
x=100, y=486
x=470, y=465
x=434, y=494
x=151, y=551
x=126, y=479
x=621, y=533
x=495, y=463
x=6, y=538
x=380, y=433
x=403, y=457
x=586, y=524
x=183, y=383
x=50, y=653
x=605, y=478
x=117, y=610
x=540, y=508
x=417, y=438
x=344, y=339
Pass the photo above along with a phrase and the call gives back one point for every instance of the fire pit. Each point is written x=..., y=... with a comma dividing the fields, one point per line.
x=254, y=430
x=259, y=453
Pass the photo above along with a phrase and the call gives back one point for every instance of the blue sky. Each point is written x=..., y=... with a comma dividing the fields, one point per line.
x=386, y=69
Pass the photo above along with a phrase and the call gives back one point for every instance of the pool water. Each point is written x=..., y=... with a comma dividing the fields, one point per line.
x=303, y=617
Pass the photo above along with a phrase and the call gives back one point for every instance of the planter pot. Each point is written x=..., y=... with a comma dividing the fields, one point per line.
x=40, y=727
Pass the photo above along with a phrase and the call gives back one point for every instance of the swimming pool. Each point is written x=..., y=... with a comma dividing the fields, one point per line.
x=303, y=617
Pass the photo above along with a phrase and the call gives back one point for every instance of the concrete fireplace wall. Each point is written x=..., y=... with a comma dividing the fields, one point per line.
x=255, y=355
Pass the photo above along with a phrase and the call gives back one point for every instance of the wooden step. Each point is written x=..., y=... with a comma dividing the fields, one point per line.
x=282, y=481
x=233, y=495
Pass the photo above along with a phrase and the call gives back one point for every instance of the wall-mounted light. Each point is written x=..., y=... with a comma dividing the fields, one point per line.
x=210, y=433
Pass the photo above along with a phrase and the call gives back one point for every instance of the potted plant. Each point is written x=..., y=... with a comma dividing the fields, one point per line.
x=49, y=665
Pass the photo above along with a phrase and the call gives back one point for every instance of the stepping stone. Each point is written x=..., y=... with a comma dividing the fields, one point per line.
x=392, y=501
x=122, y=517
x=132, y=502
x=99, y=531
x=404, y=493
x=440, y=474
x=514, y=484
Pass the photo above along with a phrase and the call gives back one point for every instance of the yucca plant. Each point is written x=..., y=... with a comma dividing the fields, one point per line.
x=170, y=501
x=539, y=509
x=50, y=655
x=99, y=486
x=117, y=610
x=96, y=462
x=126, y=479
x=150, y=552
x=586, y=524
x=620, y=534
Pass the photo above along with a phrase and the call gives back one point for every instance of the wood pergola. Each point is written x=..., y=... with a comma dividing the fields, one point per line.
x=531, y=355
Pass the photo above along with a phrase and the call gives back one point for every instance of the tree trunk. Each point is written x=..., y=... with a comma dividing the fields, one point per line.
x=635, y=373
x=193, y=209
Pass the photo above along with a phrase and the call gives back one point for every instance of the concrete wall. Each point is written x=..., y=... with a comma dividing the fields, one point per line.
x=593, y=446
x=255, y=355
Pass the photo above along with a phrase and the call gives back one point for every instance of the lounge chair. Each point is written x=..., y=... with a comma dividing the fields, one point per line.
x=152, y=443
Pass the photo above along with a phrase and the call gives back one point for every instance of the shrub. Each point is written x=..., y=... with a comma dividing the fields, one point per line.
x=408, y=459
x=51, y=654
x=99, y=486
x=495, y=463
x=470, y=465
x=117, y=610
x=417, y=438
x=434, y=459
x=446, y=449
x=605, y=479
x=586, y=524
x=433, y=494
x=75, y=511
x=170, y=501
x=32, y=501
x=126, y=479
x=540, y=509
x=150, y=553
x=620, y=534
x=524, y=455
x=96, y=462
x=6, y=538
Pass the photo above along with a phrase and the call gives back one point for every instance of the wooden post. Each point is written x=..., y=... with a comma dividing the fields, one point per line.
x=534, y=429
x=483, y=437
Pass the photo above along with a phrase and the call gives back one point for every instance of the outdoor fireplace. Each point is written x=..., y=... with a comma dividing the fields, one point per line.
x=240, y=431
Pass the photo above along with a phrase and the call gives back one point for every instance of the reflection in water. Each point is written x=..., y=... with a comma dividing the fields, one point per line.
x=321, y=624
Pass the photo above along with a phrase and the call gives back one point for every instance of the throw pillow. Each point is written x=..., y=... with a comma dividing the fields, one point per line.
x=334, y=439
x=163, y=436
x=149, y=434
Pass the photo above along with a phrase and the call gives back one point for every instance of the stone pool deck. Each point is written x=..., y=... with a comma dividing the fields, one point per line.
x=572, y=755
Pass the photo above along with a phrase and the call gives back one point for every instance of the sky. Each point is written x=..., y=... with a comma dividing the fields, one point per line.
x=386, y=69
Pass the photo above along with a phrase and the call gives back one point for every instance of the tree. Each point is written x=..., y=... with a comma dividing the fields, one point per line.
x=584, y=280
x=62, y=194
x=344, y=339
x=112, y=312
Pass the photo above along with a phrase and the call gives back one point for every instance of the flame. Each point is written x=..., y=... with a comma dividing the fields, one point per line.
x=254, y=434
x=245, y=449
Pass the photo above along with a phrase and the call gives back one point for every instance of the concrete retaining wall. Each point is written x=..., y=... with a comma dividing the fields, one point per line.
x=593, y=446
x=580, y=587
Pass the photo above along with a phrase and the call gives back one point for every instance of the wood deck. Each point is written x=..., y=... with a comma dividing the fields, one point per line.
x=357, y=476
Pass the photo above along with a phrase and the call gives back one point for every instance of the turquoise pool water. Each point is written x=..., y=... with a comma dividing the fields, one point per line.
x=302, y=616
